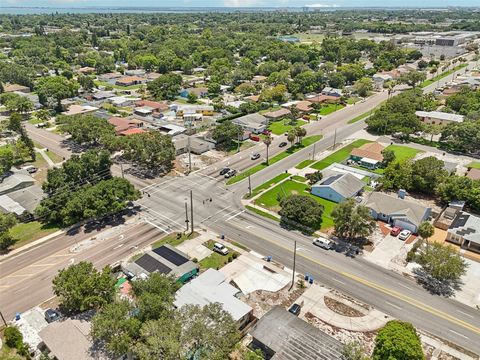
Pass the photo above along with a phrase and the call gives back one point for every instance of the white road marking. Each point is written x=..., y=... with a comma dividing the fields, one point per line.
x=464, y=313
x=235, y=215
x=219, y=211
x=405, y=286
x=395, y=306
x=155, y=225
x=72, y=260
x=118, y=246
x=339, y=281
x=457, y=333
x=249, y=227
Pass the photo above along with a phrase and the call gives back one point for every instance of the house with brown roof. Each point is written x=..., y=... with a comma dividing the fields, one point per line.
x=86, y=70
x=16, y=87
x=473, y=174
x=303, y=106
x=75, y=109
x=320, y=99
x=130, y=80
x=131, y=131
x=122, y=124
x=155, y=105
x=368, y=155
x=277, y=114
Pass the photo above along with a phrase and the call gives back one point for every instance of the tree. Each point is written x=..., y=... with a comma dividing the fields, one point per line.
x=268, y=141
x=165, y=87
x=208, y=332
x=300, y=211
x=426, y=230
x=363, y=86
x=463, y=137
x=81, y=287
x=86, y=82
x=225, y=133
x=275, y=94
x=353, y=351
x=388, y=157
x=301, y=133
x=213, y=89
x=15, y=122
x=7, y=221
x=427, y=173
x=314, y=177
x=150, y=150
x=398, y=175
x=192, y=98
x=88, y=129
x=52, y=90
x=43, y=115
x=398, y=340
x=160, y=339
x=412, y=78
x=441, y=268
x=352, y=221
x=291, y=136
x=456, y=187
x=6, y=159
x=116, y=327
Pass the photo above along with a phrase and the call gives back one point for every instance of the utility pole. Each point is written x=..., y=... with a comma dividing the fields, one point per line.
x=294, y=263
x=191, y=210
x=249, y=186
x=4, y=322
x=238, y=141
x=313, y=155
x=189, y=157
x=335, y=139
x=186, y=215
x=121, y=168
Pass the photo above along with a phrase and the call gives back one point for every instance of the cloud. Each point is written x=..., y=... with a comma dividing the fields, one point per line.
x=321, y=5
x=243, y=3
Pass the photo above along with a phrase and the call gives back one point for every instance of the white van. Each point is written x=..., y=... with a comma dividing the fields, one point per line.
x=220, y=248
x=323, y=243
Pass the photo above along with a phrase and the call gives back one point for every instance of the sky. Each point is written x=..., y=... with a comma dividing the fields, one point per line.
x=239, y=3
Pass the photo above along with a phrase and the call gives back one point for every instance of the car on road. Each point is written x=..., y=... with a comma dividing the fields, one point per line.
x=224, y=171
x=282, y=144
x=255, y=156
x=230, y=173
x=295, y=309
x=404, y=235
x=352, y=251
x=323, y=243
x=395, y=230
x=52, y=315
x=220, y=248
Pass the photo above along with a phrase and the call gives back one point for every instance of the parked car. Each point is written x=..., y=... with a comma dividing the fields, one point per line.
x=295, y=309
x=323, y=243
x=254, y=138
x=266, y=132
x=30, y=169
x=224, y=171
x=52, y=315
x=395, y=231
x=282, y=144
x=230, y=173
x=352, y=251
x=255, y=156
x=220, y=248
x=404, y=235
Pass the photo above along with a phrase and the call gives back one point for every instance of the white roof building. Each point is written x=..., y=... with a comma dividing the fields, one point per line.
x=441, y=116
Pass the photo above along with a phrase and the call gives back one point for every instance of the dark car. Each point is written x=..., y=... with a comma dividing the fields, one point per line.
x=224, y=171
x=295, y=309
x=282, y=144
x=52, y=315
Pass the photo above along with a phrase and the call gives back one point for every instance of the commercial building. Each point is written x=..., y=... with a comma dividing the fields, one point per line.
x=438, y=117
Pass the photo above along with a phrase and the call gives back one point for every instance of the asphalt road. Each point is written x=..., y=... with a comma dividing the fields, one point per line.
x=27, y=277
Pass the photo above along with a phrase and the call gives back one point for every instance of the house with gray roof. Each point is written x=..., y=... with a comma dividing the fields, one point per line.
x=397, y=211
x=338, y=187
x=283, y=336
x=212, y=287
x=255, y=123
x=465, y=231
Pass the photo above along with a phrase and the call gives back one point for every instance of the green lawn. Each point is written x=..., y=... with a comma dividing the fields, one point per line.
x=25, y=233
x=304, y=164
x=442, y=75
x=283, y=126
x=305, y=142
x=353, y=100
x=474, y=165
x=360, y=117
x=54, y=157
x=330, y=108
x=268, y=184
x=299, y=178
x=339, y=155
x=403, y=152
x=174, y=239
x=232, y=149
x=269, y=199
x=216, y=260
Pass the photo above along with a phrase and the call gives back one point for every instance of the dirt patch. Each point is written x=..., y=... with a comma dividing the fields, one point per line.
x=341, y=308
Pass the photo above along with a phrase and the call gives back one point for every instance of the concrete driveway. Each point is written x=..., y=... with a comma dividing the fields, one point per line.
x=388, y=252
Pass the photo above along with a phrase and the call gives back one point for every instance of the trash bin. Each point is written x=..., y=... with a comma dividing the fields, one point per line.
x=17, y=316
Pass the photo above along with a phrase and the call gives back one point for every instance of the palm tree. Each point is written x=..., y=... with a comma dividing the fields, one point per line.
x=292, y=135
x=301, y=132
x=267, y=141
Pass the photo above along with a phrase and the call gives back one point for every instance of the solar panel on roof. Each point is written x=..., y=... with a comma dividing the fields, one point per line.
x=331, y=179
x=170, y=255
x=151, y=265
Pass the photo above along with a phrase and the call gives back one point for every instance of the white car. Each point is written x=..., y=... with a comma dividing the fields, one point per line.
x=323, y=243
x=220, y=248
x=404, y=234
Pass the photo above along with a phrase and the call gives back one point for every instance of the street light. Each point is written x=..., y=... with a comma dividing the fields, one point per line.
x=295, y=261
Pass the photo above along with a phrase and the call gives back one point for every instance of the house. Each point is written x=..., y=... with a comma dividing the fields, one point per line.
x=130, y=80
x=79, y=110
x=155, y=105
x=32, y=97
x=131, y=131
x=135, y=72
x=165, y=260
x=16, y=87
x=283, y=336
x=109, y=77
x=368, y=155
x=122, y=101
x=172, y=129
x=122, y=124
x=473, y=174
x=338, y=187
x=213, y=287
x=438, y=117
x=196, y=144
x=252, y=98
x=205, y=110
x=143, y=111
x=199, y=92
x=254, y=123
x=320, y=99
x=28, y=198
x=70, y=339
x=102, y=95
x=8, y=205
x=397, y=211
x=259, y=78
x=86, y=70
x=16, y=181
x=380, y=79
x=277, y=114
x=329, y=91
x=465, y=231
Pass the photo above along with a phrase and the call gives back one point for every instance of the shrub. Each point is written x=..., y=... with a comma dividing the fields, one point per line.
x=13, y=337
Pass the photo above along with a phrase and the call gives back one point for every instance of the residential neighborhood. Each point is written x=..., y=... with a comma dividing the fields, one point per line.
x=239, y=181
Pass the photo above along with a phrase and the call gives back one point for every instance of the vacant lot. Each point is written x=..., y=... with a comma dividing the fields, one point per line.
x=216, y=260
x=339, y=155
x=403, y=152
x=283, y=126
x=330, y=108
x=24, y=233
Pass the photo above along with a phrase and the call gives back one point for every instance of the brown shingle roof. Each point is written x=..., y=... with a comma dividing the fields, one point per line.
x=323, y=98
x=473, y=174
x=277, y=113
x=371, y=150
x=162, y=106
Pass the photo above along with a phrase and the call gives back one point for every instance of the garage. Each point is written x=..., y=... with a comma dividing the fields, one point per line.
x=405, y=225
